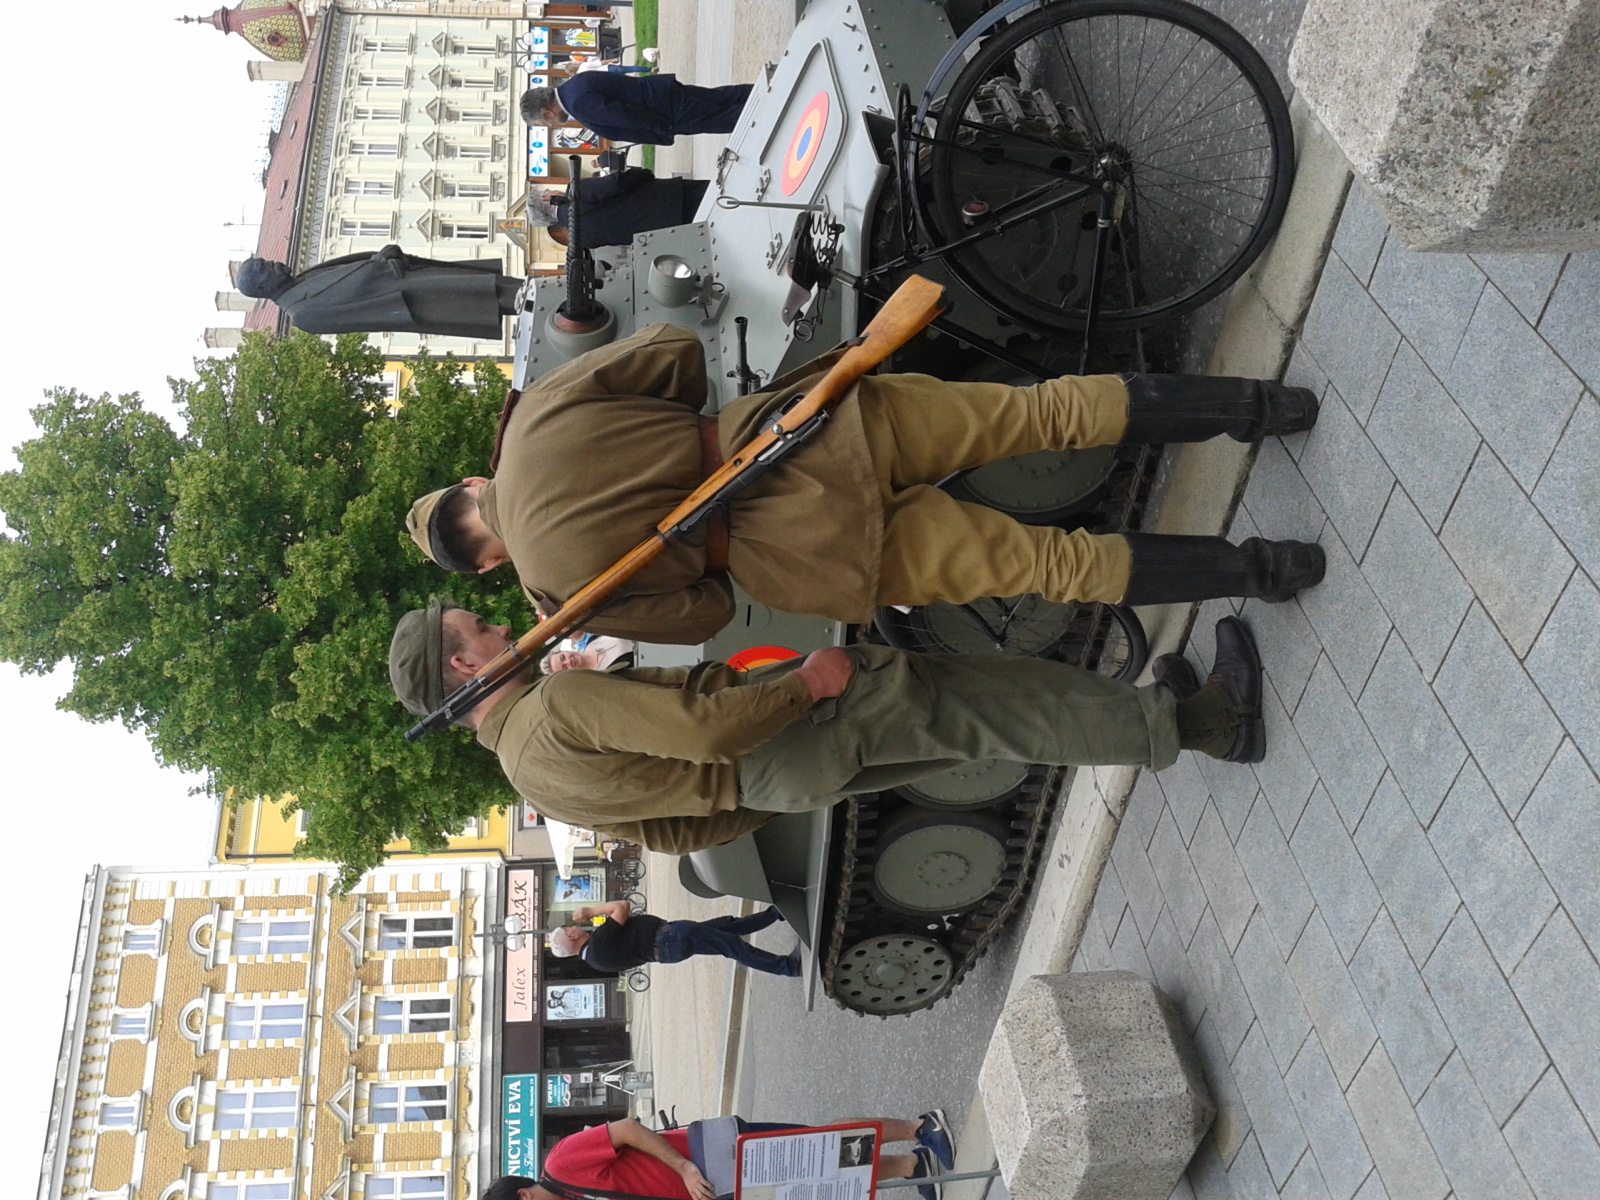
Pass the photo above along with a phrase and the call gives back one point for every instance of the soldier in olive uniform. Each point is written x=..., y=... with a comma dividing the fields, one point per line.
x=596, y=453
x=687, y=757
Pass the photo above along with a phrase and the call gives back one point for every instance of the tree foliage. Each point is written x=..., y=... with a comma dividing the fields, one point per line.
x=230, y=589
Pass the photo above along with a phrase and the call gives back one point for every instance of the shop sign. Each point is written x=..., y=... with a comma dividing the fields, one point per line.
x=557, y=1092
x=574, y=1001
x=522, y=964
x=519, y=1125
x=539, y=150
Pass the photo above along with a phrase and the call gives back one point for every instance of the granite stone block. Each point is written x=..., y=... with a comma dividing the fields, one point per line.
x=1347, y=618
x=1429, y=296
x=1350, y=336
x=1561, y=826
x=1558, y=983
x=1509, y=728
x=1467, y=1139
x=1228, y=1009
x=1416, y=582
x=1512, y=385
x=1349, y=762
x=1568, y=323
x=1410, y=724
x=1565, y=663
x=1274, y=875
x=1409, y=876
x=1502, y=886
x=1186, y=899
x=1408, y=1022
x=1092, y=1089
x=1476, y=126
x=1361, y=233
x=1336, y=1142
x=1337, y=1014
x=1335, y=873
x=1514, y=562
x=1393, y=1135
x=1273, y=1123
x=1524, y=279
x=1568, y=494
x=1555, y=1149
x=1280, y=1013
x=1224, y=880
x=1423, y=435
x=1287, y=774
x=1495, y=1039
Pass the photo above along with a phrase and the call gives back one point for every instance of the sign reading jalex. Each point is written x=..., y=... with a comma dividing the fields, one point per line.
x=522, y=984
x=519, y=1125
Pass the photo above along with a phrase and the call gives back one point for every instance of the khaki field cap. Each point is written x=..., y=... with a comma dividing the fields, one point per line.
x=419, y=522
x=416, y=666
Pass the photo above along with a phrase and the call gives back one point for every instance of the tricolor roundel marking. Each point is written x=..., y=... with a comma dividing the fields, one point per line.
x=760, y=656
x=804, y=143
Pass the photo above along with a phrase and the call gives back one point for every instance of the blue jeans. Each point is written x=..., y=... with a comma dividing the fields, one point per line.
x=679, y=940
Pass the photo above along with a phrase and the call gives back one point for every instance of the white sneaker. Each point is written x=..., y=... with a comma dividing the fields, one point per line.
x=650, y=54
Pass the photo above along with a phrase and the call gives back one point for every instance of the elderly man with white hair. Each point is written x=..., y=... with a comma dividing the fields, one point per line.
x=625, y=940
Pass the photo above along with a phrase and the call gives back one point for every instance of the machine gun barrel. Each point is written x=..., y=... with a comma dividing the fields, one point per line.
x=580, y=303
x=903, y=315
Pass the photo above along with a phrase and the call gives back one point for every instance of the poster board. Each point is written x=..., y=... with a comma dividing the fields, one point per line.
x=826, y=1162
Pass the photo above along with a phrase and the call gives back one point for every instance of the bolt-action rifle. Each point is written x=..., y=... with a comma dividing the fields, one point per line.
x=794, y=422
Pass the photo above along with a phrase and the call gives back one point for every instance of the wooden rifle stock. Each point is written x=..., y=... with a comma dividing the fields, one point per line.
x=903, y=315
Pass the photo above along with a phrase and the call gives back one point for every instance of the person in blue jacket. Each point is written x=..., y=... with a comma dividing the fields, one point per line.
x=629, y=108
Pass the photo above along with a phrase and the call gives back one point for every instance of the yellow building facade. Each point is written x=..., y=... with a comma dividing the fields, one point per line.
x=243, y=1034
x=262, y=830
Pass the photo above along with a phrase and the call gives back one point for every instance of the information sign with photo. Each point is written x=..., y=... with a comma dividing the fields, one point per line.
x=574, y=1001
x=831, y=1162
x=584, y=886
x=557, y=1093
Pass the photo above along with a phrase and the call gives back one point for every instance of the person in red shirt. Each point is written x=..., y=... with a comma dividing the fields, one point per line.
x=626, y=1157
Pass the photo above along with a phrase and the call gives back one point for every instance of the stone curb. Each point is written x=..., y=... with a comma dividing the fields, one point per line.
x=1265, y=312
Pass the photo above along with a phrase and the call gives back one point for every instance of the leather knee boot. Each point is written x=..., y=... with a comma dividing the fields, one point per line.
x=1196, y=408
x=1172, y=568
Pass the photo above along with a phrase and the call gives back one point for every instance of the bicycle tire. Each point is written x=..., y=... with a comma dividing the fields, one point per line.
x=1160, y=265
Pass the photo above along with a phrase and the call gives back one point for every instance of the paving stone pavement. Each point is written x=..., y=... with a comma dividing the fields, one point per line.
x=1384, y=937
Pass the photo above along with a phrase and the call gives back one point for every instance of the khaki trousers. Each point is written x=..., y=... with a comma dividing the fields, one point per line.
x=907, y=716
x=920, y=429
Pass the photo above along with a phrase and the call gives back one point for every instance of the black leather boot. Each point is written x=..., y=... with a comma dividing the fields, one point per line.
x=1196, y=408
x=1171, y=568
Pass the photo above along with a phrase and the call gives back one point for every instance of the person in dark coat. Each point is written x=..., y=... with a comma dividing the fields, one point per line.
x=619, y=205
x=628, y=108
x=389, y=291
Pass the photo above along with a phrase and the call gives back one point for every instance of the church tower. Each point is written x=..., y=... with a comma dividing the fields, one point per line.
x=277, y=28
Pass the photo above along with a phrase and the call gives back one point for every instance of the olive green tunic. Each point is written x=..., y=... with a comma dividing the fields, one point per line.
x=598, y=451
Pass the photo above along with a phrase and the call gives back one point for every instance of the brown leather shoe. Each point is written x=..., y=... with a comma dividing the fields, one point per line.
x=1237, y=668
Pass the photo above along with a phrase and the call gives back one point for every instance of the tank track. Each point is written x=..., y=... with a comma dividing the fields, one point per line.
x=968, y=936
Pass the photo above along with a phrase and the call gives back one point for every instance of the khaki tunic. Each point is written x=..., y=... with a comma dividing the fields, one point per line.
x=654, y=764
x=597, y=452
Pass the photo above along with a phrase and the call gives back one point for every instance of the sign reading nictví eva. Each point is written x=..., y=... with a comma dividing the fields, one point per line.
x=519, y=1125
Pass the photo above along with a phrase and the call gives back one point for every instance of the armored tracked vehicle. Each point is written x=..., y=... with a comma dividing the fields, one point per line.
x=1077, y=173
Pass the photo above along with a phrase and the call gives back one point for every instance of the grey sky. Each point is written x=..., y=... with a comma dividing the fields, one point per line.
x=129, y=149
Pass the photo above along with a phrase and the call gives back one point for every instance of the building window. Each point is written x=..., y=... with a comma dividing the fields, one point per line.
x=469, y=81
x=375, y=149
x=465, y=231
x=369, y=187
x=405, y=1187
x=475, y=150
x=472, y=827
x=386, y=45
x=350, y=227
x=144, y=939
x=474, y=47
x=255, y=1108
x=469, y=114
x=416, y=931
x=274, y=935
x=302, y=821
x=264, y=1020
x=376, y=112
x=466, y=189
x=263, y=1189
x=381, y=79
x=132, y=1023
x=412, y=1014
x=392, y=1103
x=122, y=1112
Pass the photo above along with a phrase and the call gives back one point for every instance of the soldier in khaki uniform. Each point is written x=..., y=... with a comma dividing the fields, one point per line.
x=688, y=757
x=597, y=452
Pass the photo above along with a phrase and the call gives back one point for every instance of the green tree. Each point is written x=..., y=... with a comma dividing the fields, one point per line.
x=230, y=589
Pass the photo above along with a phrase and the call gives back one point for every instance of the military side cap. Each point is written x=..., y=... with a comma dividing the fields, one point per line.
x=419, y=521
x=416, y=660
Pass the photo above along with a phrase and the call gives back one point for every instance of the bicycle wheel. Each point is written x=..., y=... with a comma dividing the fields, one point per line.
x=635, y=901
x=1164, y=101
x=638, y=980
